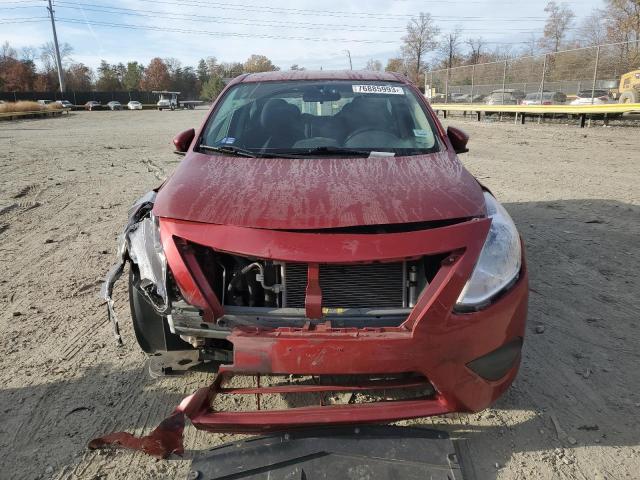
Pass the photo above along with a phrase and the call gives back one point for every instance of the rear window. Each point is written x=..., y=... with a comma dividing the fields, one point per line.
x=295, y=117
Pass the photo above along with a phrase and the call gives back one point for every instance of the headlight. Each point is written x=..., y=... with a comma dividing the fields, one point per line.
x=499, y=262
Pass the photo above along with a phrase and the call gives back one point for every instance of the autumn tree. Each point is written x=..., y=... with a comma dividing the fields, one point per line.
x=16, y=75
x=156, y=76
x=559, y=20
x=420, y=39
x=623, y=18
x=397, y=65
x=373, y=65
x=78, y=77
x=259, y=63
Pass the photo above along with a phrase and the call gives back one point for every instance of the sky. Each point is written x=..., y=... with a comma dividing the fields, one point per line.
x=309, y=33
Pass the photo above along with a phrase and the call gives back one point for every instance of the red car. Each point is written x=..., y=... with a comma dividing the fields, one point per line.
x=322, y=225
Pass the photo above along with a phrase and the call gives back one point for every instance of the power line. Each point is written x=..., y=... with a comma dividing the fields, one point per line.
x=217, y=19
x=326, y=13
x=22, y=20
x=218, y=34
x=267, y=23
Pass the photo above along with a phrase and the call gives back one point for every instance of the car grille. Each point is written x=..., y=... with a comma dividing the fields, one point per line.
x=376, y=285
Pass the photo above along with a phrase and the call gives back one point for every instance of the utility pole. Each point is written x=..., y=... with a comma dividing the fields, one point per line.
x=349, y=55
x=55, y=43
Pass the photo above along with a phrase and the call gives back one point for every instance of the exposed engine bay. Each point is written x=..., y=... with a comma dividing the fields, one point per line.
x=256, y=292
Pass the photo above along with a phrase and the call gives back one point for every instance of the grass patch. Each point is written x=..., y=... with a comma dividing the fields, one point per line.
x=15, y=107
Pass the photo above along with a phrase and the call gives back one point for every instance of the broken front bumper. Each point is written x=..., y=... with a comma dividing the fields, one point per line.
x=433, y=341
x=469, y=359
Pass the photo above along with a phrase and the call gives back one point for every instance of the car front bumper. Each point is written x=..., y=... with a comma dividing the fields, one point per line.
x=434, y=341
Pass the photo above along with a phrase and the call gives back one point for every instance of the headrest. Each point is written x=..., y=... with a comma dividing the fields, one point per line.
x=277, y=111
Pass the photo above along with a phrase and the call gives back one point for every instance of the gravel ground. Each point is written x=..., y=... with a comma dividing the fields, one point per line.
x=66, y=184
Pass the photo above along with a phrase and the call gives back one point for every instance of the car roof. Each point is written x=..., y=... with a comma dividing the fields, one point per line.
x=293, y=75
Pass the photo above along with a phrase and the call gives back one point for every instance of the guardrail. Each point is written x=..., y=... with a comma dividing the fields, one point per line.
x=523, y=110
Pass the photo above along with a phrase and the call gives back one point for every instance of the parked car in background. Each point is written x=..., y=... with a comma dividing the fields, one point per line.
x=45, y=102
x=507, y=96
x=65, y=103
x=114, y=105
x=134, y=105
x=477, y=98
x=548, y=98
x=592, y=97
x=457, y=97
x=93, y=105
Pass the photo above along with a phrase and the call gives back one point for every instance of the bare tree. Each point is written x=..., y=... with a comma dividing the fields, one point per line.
x=559, y=20
x=373, y=65
x=419, y=40
x=476, y=47
x=7, y=51
x=28, y=54
x=593, y=29
x=48, y=55
x=450, y=48
x=530, y=49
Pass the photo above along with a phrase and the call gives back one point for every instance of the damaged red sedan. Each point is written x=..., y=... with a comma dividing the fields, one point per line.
x=322, y=225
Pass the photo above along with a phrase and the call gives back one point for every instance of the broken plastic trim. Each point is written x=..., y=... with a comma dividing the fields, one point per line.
x=139, y=243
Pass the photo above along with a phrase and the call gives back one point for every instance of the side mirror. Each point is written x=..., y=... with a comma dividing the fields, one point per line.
x=458, y=139
x=183, y=140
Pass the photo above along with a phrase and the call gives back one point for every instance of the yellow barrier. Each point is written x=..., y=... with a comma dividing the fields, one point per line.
x=567, y=109
x=523, y=110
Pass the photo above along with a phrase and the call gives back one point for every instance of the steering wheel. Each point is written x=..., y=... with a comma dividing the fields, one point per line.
x=382, y=135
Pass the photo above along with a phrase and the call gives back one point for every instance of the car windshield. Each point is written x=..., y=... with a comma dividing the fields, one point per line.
x=320, y=118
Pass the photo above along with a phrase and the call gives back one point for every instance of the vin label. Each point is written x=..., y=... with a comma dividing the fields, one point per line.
x=384, y=89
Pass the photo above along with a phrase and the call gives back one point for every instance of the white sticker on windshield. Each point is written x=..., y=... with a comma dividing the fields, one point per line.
x=384, y=89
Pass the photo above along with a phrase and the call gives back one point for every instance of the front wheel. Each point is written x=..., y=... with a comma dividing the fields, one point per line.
x=151, y=328
x=629, y=97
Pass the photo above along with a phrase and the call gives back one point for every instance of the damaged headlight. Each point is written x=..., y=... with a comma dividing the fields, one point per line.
x=500, y=259
x=140, y=243
x=145, y=251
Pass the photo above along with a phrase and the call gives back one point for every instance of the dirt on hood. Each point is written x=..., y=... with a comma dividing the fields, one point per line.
x=284, y=193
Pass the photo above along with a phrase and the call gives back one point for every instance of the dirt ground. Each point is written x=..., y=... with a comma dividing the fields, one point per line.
x=65, y=187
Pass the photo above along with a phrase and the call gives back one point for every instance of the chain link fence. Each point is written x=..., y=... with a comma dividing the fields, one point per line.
x=589, y=70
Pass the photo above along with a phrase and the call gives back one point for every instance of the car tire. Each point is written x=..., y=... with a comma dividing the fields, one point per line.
x=629, y=97
x=151, y=328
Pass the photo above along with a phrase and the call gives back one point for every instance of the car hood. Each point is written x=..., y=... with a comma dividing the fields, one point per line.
x=319, y=193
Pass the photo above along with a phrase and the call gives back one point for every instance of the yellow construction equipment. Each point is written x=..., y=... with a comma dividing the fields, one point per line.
x=629, y=89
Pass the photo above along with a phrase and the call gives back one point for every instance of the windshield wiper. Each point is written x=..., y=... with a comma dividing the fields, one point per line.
x=338, y=151
x=230, y=150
